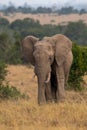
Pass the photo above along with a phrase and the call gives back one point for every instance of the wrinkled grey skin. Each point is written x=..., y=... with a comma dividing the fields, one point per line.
x=52, y=58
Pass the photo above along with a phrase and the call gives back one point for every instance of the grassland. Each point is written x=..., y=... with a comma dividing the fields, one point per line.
x=47, y=18
x=25, y=114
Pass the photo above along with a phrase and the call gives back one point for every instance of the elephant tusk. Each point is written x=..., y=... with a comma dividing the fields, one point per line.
x=48, y=78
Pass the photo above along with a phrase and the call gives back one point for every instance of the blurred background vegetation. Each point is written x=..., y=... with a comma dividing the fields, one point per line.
x=11, y=34
x=54, y=9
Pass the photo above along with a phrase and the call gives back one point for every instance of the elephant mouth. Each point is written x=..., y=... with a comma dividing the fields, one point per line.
x=47, y=78
x=44, y=78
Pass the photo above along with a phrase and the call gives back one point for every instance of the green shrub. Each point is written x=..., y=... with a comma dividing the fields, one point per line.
x=4, y=22
x=14, y=54
x=77, y=32
x=3, y=72
x=79, y=67
x=7, y=91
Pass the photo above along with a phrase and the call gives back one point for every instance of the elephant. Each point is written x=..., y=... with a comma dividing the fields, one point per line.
x=52, y=59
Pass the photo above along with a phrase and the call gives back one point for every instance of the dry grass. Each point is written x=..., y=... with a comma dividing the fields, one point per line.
x=48, y=18
x=25, y=114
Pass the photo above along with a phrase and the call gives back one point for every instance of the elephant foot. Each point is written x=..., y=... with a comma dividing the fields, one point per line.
x=41, y=102
x=41, y=99
x=60, y=98
x=46, y=102
x=49, y=101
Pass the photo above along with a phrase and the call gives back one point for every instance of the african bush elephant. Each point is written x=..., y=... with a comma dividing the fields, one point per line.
x=52, y=58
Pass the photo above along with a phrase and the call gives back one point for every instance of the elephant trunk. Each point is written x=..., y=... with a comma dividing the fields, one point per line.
x=41, y=90
x=43, y=79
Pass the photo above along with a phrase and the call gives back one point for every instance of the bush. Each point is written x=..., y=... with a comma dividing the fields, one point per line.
x=3, y=72
x=7, y=91
x=77, y=32
x=14, y=54
x=79, y=67
x=3, y=22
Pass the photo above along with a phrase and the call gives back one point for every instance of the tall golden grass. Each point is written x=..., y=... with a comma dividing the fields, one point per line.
x=26, y=114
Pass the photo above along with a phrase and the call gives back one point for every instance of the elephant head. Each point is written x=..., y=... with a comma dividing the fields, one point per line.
x=43, y=58
x=42, y=54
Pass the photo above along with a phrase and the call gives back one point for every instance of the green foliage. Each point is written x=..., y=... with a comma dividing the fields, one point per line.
x=43, y=10
x=77, y=32
x=82, y=11
x=84, y=55
x=4, y=22
x=67, y=10
x=5, y=45
x=79, y=67
x=3, y=72
x=10, y=47
x=7, y=92
x=14, y=54
x=30, y=27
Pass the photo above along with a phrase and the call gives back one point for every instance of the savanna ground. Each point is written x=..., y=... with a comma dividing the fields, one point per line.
x=47, y=18
x=26, y=114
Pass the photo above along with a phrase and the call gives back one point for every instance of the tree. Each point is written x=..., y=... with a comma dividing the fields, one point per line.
x=82, y=11
x=67, y=10
x=43, y=10
x=77, y=32
x=79, y=67
x=4, y=22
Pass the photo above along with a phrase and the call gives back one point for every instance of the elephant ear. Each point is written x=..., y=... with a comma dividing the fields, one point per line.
x=62, y=47
x=27, y=47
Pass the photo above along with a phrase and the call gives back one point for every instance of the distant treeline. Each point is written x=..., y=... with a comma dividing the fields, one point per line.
x=54, y=9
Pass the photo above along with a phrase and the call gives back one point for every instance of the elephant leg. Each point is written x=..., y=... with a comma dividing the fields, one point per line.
x=66, y=72
x=67, y=66
x=48, y=93
x=60, y=93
